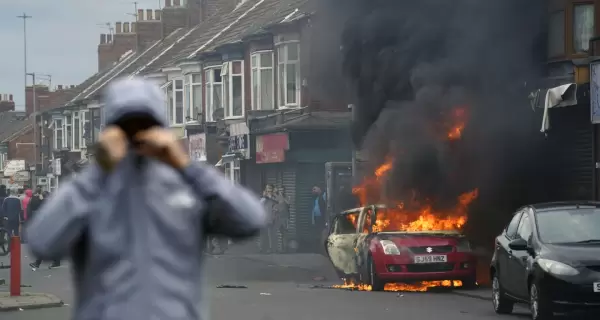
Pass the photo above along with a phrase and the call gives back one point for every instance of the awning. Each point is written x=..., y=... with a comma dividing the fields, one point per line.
x=561, y=96
x=229, y=157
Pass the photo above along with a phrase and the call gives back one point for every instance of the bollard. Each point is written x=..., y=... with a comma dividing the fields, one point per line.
x=15, y=266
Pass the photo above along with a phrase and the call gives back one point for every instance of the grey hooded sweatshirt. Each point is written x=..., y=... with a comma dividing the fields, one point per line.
x=136, y=235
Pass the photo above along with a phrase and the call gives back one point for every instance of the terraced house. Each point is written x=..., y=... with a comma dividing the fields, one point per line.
x=243, y=92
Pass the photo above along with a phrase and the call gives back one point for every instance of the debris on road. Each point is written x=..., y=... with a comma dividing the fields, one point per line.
x=228, y=286
x=265, y=294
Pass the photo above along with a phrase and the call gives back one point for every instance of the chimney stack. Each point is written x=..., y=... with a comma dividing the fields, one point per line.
x=59, y=87
x=103, y=38
x=140, y=14
x=176, y=3
x=125, y=27
x=167, y=3
x=109, y=38
x=133, y=27
x=118, y=27
x=157, y=14
x=10, y=97
x=149, y=14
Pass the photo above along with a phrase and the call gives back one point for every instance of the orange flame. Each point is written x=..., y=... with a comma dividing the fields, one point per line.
x=458, y=123
x=400, y=287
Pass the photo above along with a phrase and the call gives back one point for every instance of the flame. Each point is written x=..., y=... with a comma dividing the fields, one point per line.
x=458, y=123
x=401, y=287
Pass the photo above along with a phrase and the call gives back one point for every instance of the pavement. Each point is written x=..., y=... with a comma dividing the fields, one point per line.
x=273, y=287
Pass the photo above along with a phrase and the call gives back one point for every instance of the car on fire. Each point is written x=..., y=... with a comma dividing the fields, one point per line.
x=359, y=252
x=548, y=256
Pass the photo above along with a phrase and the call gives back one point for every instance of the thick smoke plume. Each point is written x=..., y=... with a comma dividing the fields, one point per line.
x=416, y=68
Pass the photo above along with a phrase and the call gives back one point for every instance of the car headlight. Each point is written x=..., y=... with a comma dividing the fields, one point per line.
x=389, y=247
x=463, y=246
x=557, y=268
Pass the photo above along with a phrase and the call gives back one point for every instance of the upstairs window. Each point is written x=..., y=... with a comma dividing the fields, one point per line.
x=195, y=97
x=583, y=27
x=262, y=80
x=214, y=92
x=288, y=64
x=59, y=134
x=233, y=88
x=556, y=34
x=69, y=132
x=176, y=105
x=76, y=131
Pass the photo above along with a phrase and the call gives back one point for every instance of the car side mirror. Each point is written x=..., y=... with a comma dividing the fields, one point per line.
x=519, y=245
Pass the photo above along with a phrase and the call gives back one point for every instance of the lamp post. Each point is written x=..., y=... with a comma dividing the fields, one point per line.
x=24, y=16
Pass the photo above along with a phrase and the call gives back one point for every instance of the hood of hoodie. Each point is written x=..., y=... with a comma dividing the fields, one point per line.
x=132, y=96
x=28, y=193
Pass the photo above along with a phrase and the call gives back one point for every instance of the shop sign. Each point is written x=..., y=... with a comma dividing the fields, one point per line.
x=271, y=148
x=56, y=167
x=21, y=176
x=13, y=166
x=238, y=143
x=197, y=146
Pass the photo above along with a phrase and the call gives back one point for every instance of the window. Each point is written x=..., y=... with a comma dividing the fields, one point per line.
x=76, y=131
x=525, y=228
x=96, y=123
x=232, y=171
x=213, y=92
x=288, y=64
x=344, y=224
x=176, y=105
x=85, y=127
x=262, y=80
x=59, y=134
x=513, y=226
x=569, y=225
x=168, y=88
x=233, y=88
x=69, y=132
x=583, y=27
x=556, y=34
x=2, y=159
x=194, y=100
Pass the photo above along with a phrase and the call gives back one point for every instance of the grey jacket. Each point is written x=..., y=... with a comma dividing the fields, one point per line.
x=136, y=235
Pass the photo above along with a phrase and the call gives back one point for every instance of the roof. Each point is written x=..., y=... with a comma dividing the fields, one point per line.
x=10, y=122
x=546, y=206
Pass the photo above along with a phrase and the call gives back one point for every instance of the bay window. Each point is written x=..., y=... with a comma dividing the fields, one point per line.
x=85, y=127
x=288, y=64
x=194, y=108
x=583, y=26
x=76, y=131
x=59, y=134
x=68, y=132
x=233, y=88
x=213, y=96
x=176, y=95
x=232, y=171
x=96, y=123
x=262, y=80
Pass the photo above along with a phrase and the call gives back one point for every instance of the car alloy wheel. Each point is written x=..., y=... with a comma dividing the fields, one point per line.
x=539, y=306
x=501, y=304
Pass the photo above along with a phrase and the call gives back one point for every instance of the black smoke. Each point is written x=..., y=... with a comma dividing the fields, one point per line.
x=411, y=64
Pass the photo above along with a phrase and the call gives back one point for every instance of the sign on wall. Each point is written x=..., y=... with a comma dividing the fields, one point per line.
x=595, y=91
x=13, y=166
x=197, y=146
x=21, y=176
x=271, y=148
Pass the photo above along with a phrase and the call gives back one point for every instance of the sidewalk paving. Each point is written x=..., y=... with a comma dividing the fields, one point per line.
x=28, y=300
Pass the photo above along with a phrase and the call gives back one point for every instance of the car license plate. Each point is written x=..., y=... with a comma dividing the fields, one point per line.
x=431, y=259
x=597, y=287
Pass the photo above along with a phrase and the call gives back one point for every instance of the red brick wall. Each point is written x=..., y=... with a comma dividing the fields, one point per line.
x=18, y=150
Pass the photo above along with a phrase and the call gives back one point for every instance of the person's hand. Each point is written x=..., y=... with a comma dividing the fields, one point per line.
x=161, y=144
x=112, y=147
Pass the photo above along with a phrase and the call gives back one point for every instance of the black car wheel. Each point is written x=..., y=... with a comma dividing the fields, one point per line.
x=374, y=281
x=540, y=305
x=502, y=305
x=470, y=282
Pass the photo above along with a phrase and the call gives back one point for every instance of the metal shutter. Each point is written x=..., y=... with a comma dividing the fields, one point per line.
x=308, y=175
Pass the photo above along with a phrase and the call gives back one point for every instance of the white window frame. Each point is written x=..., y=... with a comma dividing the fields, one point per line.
x=166, y=88
x=68, y=126
x=75, y=123
x=282, y=63
x=84, y=117
x=2, y=159
x=257, y=68
x=173, y=106
x=209, y=91
x=59, y=124
x=233, y=171
x=194, y=114
x=227, y=76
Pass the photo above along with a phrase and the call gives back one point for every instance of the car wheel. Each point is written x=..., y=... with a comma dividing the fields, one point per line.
x=502, y=305
x=539, y=304
x=374, y=281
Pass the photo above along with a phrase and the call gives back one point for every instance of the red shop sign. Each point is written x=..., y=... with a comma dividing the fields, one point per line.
x=275, y=156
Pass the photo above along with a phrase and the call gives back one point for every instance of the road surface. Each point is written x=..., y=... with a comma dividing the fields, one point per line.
x=279, y=287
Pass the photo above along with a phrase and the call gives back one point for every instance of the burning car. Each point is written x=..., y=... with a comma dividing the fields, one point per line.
x=361, y=248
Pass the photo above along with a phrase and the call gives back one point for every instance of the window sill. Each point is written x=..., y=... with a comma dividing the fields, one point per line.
x=177, y=125
x=234, y=118
x=289, y=107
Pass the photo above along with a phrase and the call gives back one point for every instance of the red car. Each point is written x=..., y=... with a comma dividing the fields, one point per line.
x=377, y=258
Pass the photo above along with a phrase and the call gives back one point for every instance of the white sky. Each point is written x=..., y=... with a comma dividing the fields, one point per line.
x=62, y=39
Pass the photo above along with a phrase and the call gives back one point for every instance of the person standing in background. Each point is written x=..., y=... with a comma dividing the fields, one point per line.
x=12, y=213
x=36, y=202
x=318, y=215
x=282, y=209
x=268, y=241
x=25, y=202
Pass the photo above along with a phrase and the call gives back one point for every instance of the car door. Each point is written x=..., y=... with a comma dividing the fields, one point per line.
x=503, y=252
x=341, y=243
x=518, y=260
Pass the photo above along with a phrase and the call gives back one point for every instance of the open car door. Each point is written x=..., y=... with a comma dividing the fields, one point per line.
x=341, y=242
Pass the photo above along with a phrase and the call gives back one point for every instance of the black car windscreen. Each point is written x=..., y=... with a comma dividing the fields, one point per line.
x=577, y=225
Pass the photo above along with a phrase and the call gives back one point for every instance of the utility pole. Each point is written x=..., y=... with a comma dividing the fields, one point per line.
x=24, y=16
x=35, y=140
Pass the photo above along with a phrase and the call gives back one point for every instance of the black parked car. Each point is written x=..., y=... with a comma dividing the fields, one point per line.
x=549, y=257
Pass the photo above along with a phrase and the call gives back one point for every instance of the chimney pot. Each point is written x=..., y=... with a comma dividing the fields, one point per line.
x=133, y=27
x=140, y=14
x=125, y=27
x=167, y=3
x=118, y=27
x=60, y=87
x=10, y=97
x=109, y=38
x=149, y=14
x=103, y=38
x=176, y=3
x=157, y=14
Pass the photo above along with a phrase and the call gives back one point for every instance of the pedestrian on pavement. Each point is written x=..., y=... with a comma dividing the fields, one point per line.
x=134, y=222
x=268, y=242
x=319, y=212
x=36, y=202
x=25, y=202
x=282, y=209
x=12, y=211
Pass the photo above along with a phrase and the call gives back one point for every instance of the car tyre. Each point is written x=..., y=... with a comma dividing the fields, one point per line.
x=539, y=304
x=502, y=304
x=374, y=281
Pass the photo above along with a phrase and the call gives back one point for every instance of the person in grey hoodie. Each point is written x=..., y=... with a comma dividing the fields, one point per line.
x=142, y=262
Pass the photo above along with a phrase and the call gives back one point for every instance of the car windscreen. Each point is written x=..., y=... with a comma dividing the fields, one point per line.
x=569, y=225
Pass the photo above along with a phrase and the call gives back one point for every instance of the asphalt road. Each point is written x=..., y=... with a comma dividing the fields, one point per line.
x=280, y=287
